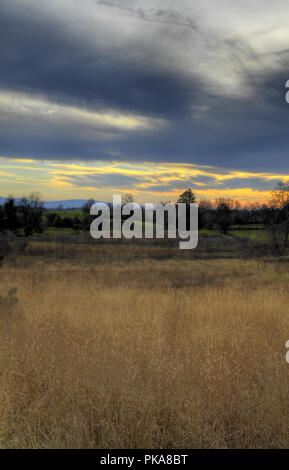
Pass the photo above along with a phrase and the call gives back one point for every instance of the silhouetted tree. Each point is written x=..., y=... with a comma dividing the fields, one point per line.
x=205, y=214
x=77, y=225
x=31, y=211
x=10, y=219
x=67, y=222
x=50, y=219
x=2, y=219
x=276, y=217
x=58, y=221
x=280, y=197
x=187, y=197
x=223, y=215
x=87, y=218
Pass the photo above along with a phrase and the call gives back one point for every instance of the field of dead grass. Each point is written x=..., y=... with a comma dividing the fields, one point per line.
x=145, y=354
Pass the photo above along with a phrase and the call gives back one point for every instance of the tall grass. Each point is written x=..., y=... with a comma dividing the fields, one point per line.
x=155, y=354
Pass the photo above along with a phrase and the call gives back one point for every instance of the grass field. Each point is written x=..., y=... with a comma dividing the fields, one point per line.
x=250, y=232
x=150, y=353
x=55, y=231
x=259, y=235
x=66, y=212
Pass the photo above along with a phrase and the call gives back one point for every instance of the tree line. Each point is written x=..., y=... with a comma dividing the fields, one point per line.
x=28, y=215
x=223, y=213
x=25, y=216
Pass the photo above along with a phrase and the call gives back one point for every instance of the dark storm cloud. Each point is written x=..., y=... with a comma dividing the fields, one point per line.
x=38, y=55
x=43, y=53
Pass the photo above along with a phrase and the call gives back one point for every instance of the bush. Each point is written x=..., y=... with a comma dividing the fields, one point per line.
x=8, y=301
x=5, y=245
x=68, y=222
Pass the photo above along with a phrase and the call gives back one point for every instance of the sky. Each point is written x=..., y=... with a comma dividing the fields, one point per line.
x=150, y=97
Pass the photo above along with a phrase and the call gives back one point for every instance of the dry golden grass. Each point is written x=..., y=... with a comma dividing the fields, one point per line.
x=149, y=354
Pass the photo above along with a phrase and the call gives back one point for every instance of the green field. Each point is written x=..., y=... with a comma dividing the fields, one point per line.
x=66, y=213
x=260, y=235
x=257, y=235
x=255, y=232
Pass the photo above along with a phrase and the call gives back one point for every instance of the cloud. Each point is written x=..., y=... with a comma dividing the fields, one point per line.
x=152, y=15
x=159, y=81
x=97, y=181
x=148, y=181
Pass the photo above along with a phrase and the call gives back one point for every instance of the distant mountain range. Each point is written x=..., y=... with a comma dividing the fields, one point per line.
x=67, y=204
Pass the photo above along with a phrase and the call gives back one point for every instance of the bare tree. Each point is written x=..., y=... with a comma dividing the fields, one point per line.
x=281, y=201
x=87, y=218
x=87, y=206
x=276, y=216
x=205, y=214
x=31, y=209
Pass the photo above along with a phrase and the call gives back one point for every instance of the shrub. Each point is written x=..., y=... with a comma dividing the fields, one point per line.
x=8, y=301
x=5, y=244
